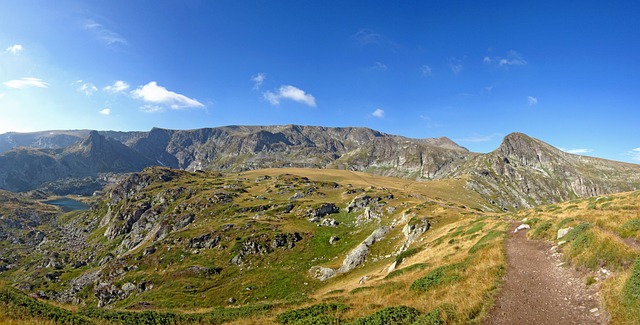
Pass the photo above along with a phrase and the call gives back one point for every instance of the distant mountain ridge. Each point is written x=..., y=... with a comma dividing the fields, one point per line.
x=522, y=172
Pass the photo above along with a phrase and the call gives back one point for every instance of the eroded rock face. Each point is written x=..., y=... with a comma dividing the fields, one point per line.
x=355, y=257
x=322, y=273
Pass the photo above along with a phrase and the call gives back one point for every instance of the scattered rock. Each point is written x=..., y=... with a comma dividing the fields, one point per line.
x=361, y=202
x=322, y=273
x=232, y=300
x=563, y=232
x=363, y=279
x=333, y=240
x=328, y=222
x=522, y=227
x=392, y=267
x=149, y=250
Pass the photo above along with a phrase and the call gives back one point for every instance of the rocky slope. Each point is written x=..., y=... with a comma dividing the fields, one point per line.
x=23, y=169
x=522, y=172
x=232, y=148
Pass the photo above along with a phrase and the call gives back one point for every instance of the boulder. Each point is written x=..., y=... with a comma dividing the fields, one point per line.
x=322, y=273
x=563, y=232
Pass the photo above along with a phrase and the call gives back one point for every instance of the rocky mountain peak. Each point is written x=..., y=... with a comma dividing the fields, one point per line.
x=527, y=150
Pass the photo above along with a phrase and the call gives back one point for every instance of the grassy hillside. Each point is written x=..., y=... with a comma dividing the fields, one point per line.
x=173, y=247
x=207, y=244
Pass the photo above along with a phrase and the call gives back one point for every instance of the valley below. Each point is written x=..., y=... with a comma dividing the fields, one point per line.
x=306, y=225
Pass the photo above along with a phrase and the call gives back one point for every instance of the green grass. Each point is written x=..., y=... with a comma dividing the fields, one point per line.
x=408, y=253
x=410, y=268
x=390, y=315
x=630, y=228
x=18, y=306
x=485, y=240
x=324, y=313
x=436, y=277
x=632, y=287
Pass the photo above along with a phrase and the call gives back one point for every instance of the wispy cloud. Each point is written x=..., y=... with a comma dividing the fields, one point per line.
x=580, y=151
x=86, y=88
x=479, y=138
x=378, y=66
x=379, y=113
x=426, y=70
x=1, y=95
x=106, y=111
x=291, y=93
x=258, y=80
x=14, y=49
x=635, y=154
x=455, y=65
x=117, y=87
x=512, y=58
x=430, y=123
x=367, y=36
x=152, y=108
x=158, y=95
x=25, y=83
x=533, y=101
x=104, y=34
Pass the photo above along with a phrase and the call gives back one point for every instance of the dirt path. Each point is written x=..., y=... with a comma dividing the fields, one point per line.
x=538, y=290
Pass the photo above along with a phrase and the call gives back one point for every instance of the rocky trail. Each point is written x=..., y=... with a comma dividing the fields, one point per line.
x=539, y=289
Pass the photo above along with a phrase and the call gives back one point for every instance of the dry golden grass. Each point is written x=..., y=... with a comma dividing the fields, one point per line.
x=605, y=244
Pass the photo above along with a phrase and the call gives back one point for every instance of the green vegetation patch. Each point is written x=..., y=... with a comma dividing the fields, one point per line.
x=438, y=276
x=20, y=306
x=408, y=253
x=324, y=313
x=390, y=315
x=485, y=240
x=631, y=289
x=477, y=227
x=410, y=268
x=630, y=228
x=542, y=230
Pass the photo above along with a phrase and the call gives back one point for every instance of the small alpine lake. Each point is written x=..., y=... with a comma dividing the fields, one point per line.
x=67, y=204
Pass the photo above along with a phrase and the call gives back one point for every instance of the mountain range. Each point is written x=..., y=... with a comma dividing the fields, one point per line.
x=522, y=172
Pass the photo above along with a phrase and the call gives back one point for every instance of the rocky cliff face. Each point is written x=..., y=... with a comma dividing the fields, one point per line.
x=23, y=169
x=232, y=148
x=525, y=172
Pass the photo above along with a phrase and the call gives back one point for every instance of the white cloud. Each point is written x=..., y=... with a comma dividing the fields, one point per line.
x=367, y=36
x=117, y=87
x=258, y=80
x=426, y=70
x=513, y=58
x=577, y=151
x=1, y=95
x=379, y=113
x=152, y=93
x=104, y=34
x=378, y=66
x=532, y=100
x=635, y=154
x=26, y=82
x=292, y=93
x=151, y=108
x=455, y=65
x=87, y=88
x=105, y=111
x=14, y=49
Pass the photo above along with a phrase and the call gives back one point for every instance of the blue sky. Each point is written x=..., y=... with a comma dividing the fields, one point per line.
x=566, y=72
